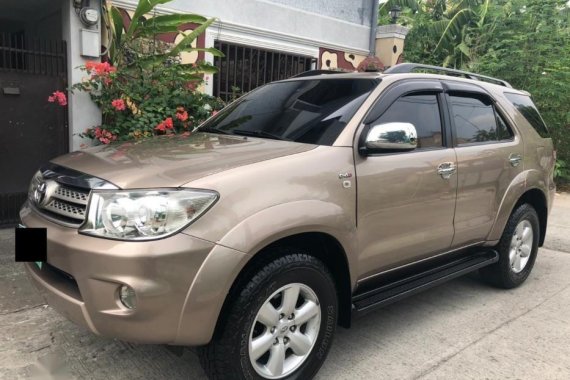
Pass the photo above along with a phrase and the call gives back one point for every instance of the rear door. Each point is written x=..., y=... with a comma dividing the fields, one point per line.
x=405, y=203
x=489, y=156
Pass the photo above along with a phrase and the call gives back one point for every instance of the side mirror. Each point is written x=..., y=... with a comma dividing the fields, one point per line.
x=390, y=137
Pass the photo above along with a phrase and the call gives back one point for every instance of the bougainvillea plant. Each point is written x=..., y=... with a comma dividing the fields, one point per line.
x=136, y=106
x=144, y=89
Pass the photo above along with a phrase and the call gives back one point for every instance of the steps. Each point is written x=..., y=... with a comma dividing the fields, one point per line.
x=387, y=292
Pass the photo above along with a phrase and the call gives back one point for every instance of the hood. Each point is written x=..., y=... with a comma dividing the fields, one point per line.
x=171, y=161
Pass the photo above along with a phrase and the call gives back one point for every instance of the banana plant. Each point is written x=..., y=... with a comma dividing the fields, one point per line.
x=126, y=41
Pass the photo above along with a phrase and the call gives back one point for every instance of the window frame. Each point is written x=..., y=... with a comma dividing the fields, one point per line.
x=473, y=91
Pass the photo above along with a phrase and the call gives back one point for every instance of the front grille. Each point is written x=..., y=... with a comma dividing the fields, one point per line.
x=71, y=195
x=61, y=194
x=69, y=210
x=65, y=204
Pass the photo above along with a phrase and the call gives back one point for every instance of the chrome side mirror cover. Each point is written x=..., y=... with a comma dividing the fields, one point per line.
x=390, y=137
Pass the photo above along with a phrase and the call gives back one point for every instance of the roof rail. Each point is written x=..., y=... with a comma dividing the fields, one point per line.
x=317, y=72
x=410, y=67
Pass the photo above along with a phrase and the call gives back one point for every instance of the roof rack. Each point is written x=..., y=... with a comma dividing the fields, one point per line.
x=317, y=72
x=403, y=68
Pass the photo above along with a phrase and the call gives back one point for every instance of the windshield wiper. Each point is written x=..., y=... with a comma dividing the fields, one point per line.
x=259, y=133
x=213, y=130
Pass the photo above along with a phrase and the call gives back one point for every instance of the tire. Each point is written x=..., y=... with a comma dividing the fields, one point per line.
x=229, y=354
x=516, y=255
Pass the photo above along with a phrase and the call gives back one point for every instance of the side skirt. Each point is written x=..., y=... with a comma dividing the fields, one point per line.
x=393, y=289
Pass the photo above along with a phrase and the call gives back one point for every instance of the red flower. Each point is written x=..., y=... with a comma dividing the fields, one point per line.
x=119, y=104
x=104, y=135
x=182, y=116
x=99, y=68
x=165, y=125
x=214, y=113
x=90, y=65
x=59, y=97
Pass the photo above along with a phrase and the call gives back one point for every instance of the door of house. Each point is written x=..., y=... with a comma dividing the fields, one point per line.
x=32, y=130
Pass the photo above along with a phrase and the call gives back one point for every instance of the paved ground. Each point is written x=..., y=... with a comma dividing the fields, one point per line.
x=461, y=330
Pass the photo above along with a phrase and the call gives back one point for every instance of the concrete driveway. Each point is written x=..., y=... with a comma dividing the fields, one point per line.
x=460, y=330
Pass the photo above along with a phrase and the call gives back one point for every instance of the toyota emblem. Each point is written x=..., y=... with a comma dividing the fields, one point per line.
x=40, y=193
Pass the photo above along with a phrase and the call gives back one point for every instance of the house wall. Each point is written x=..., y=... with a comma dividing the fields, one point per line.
x=316, y=28
x=83, y=113
x=322, y=23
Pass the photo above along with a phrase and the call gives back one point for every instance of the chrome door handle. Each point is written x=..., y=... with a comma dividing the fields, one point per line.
x=515, y=159
x=446, y=169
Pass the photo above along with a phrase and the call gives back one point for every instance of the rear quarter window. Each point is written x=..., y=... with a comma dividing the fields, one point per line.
x=527, y=108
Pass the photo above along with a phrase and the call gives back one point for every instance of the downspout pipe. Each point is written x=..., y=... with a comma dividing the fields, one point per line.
x=373, y=26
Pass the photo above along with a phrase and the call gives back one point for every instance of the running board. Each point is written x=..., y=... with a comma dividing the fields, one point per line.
x=393, y=291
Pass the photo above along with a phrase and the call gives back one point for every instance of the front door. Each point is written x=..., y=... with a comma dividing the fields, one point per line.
x=32, y=130
x=406, y=202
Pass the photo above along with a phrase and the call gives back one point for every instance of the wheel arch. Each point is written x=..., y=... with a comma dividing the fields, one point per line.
x=537, y=199
x=320, y=245
x=527, y=187
x=534, y=196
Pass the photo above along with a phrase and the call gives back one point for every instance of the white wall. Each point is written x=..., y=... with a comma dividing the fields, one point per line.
x=284, y=21
x=83, y=113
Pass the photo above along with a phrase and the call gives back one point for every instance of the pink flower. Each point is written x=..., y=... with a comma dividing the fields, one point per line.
x=165, y=125
x=99, y=68
x=119, y=104
x=214, y=113
x=104, y=135
x=58, y=97
x=182, y=116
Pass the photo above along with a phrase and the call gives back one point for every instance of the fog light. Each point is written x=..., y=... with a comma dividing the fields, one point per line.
x=127, y=297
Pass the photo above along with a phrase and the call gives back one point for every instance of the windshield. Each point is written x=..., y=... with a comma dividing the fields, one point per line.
x=306, y=111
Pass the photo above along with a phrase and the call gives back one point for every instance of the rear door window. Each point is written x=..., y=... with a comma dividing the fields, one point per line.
x=474, y=119
x=527, y=108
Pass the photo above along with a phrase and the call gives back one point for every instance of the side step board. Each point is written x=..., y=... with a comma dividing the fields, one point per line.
x=390, y=292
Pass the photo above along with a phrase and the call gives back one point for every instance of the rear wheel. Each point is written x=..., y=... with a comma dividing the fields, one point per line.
x=279, y=326
x=517, y=249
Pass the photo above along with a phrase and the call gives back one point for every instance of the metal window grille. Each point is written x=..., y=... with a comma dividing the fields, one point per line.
x=244, y=68
x=32, y=56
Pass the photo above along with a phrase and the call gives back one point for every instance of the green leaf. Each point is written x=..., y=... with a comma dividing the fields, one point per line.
x=215, y=52
x=143, y=8
x=464, y=49
x=454, y=27
x=176, y=19
x=189, y=38
x=151, y=30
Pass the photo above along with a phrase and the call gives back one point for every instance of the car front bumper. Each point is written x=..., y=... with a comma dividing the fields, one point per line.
x=179, y=292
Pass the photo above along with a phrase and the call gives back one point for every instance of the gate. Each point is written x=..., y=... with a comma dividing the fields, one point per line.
x=32, y=131
x=244, y=68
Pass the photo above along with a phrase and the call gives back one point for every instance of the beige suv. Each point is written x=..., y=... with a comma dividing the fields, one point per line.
x=301, y=205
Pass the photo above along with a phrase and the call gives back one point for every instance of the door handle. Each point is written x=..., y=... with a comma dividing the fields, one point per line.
x=515, y=159
x=446, y=169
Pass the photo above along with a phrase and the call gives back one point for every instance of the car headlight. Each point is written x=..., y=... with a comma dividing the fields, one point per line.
x=144, y=214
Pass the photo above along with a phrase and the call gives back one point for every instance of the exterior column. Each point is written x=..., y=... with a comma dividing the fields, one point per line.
x=390, y=43
x=83, y=113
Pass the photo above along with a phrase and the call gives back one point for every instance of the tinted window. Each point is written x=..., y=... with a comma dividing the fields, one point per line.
x=504, y=132
x=474, y=119
x=422, y=110
x=527, y=108
x=307, y=111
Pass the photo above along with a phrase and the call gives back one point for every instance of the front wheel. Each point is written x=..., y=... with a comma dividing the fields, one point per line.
x=517, y=249
x=280, y=326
